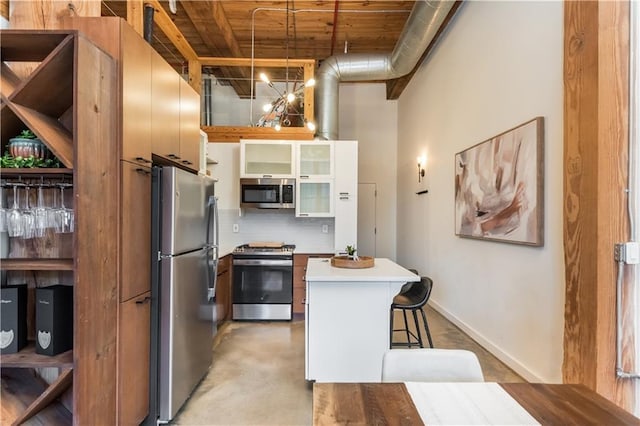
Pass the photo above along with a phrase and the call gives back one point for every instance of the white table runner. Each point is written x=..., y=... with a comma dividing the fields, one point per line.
x=467, y=404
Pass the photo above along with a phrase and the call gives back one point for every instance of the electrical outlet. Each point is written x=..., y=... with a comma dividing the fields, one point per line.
x=325, y=229
x=236, y=228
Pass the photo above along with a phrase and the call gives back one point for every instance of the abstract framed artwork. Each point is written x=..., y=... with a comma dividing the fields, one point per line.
x=499, y=187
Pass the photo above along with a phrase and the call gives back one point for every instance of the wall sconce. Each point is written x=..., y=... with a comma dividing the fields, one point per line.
x=422, y=163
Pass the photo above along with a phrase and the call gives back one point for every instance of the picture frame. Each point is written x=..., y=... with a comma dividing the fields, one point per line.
x=499, y=187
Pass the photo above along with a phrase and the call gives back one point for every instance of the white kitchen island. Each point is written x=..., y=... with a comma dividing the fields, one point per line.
x=347, y=319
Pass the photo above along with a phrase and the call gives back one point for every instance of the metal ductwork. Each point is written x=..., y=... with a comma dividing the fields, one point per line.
x=422, y=25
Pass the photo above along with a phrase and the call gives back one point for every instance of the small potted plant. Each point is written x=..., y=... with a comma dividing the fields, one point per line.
x=27, y=144
x=351, y=252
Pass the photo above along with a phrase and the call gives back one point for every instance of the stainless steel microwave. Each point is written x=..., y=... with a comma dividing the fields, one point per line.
x=268, y=193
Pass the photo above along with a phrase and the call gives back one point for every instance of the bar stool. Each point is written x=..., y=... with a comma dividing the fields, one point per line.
x=412, y=297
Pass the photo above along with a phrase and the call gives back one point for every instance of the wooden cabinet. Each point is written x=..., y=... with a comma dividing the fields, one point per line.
x=165, y=109
x=175, y=116
x=299, y=279
x=189, y=126
x=223, y=289
x=135, y=79
x=135, y=234
x=133, y=356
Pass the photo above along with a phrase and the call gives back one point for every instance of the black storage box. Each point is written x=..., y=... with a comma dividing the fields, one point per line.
x=54, y=319
x=13, y=318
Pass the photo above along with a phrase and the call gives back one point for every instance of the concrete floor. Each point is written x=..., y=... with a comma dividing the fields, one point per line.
x=257, y=376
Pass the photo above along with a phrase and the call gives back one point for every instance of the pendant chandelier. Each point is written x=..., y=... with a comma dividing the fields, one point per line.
x=287, y=109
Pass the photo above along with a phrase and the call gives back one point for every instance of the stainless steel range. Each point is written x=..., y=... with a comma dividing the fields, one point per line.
x=263, y=281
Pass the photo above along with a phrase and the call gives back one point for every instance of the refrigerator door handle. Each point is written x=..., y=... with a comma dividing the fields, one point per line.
x=212, y=243
x=211, y=211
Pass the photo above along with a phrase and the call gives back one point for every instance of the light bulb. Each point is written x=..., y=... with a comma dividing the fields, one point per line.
x=277, y=127
x=310, y=83
x=267, y=107
x=264, y=78
x=311, y=126
x=291, y=97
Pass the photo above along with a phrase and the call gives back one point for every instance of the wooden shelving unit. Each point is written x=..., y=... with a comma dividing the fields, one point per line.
x=36, y=172
x=67, y=101
x=36, y=103
x=28, y=358
x=36, y=264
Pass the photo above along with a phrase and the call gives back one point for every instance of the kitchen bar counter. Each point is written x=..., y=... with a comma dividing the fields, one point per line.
x=347, y=319
x=383, y=270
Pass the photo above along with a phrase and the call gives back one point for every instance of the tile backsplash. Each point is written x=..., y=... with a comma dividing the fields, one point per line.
x=276, y=225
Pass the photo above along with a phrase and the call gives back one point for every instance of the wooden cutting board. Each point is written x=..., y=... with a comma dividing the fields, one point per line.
x=271, y=244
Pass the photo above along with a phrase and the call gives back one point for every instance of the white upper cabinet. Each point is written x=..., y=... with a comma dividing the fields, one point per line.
x=314, y=179
x=314, y=198
x=315, y=160
x=266, y=158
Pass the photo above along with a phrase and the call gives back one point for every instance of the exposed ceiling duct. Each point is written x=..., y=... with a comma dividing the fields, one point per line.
x=421, y=27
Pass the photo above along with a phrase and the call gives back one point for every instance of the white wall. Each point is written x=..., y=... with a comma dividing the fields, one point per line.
x=366, y=116
x=497, y=66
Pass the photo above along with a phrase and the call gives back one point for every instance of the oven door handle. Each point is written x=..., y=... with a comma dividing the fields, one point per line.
x=262, y=262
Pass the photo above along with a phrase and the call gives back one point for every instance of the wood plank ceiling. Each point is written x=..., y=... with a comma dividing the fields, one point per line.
x=281, y=29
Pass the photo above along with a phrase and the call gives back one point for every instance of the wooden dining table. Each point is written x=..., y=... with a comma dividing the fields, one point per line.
x=392, y=404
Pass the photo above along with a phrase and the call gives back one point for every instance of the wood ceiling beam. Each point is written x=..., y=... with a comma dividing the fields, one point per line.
x=198, y=11
x=260, y=62
x=169, y=28
x=221, y=21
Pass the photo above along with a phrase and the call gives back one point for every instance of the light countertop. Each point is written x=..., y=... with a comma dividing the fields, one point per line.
x=383, y=270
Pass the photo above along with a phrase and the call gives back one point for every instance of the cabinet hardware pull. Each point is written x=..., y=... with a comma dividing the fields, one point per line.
x=304, y=214
x=172, y=156
x=304, y=177
x=143, y=171
x=144, y=300
x=344, y=193
x=267, y=176
x=344, y=198
x=143, y=160
x=186, y=162
x=304, y=278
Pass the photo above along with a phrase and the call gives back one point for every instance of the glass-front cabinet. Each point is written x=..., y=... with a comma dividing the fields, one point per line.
x=314, y=198
x=315, y=159
x=264, y=158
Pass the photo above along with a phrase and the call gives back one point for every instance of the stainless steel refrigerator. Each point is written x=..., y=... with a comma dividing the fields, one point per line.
x=185, y=260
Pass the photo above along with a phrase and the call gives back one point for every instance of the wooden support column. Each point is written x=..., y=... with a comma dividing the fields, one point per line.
x=309, y=72
x=195, y=75
x=135, y=15
x=596, y=89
